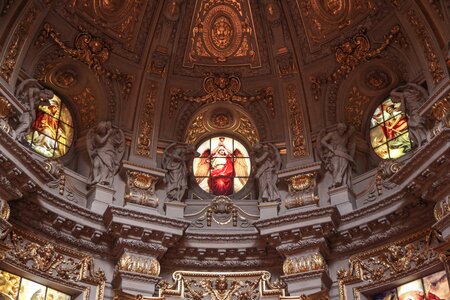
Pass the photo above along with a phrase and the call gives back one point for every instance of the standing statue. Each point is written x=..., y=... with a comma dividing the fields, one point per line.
x=268, y=162
x=31, y=94
x=106, y=146
x=337, y=149
x=412, y=96
x=174, y=162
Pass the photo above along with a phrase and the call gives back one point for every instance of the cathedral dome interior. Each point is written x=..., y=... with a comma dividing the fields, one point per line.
x=224, y=149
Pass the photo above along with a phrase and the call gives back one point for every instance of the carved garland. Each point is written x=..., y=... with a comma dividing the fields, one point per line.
x=50, y=260
x=296, y=123
x=386, y=264
x=146, y=123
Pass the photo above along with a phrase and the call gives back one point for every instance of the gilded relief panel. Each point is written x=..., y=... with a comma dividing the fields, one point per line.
x=322, y=17
x=222, y=32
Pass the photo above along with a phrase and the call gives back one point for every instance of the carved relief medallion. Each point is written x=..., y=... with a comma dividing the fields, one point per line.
x=222, y=32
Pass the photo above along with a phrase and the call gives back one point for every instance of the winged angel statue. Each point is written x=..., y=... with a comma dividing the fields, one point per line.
x=106, y=146
x=217, y=167
x=268, y=161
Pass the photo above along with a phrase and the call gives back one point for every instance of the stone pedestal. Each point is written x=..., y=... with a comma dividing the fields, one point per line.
x=99, y=197
x=175, y=209
x=307, y=282
x=268, y=210
x=135, y=283
x=141, y=208
x=343, y=198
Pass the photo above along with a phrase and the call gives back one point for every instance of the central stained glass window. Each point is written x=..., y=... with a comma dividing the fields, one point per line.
x=223, y=167
x=389, y=134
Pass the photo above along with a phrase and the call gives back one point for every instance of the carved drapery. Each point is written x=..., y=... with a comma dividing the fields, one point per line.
x=222, y=211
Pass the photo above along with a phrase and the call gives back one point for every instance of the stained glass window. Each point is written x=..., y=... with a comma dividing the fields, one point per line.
x=52, y=132
x=389, y=133
x=434, y=286
x=16, y=287
x=223, y=166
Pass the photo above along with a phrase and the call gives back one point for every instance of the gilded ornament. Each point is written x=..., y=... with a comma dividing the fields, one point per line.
x=248, y=130
x=137, y=264
x=49, y=259
x=18, y=38
x=222, y=88
x=441, y=208
x=222, y=120
x=140, y=189
x=434, y=66
x=85, y=103
x=221, y=32
x=355, y=107
x=5, y=114
x=378, y=79
x=390, y=262
x=295, y=265
x=222, y=285
x=441, y=113
x=296, y=123
x=66, y=78
x=146, y=123
x=195, y=130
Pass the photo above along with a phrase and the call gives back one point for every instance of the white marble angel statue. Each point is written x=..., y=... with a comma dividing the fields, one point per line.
x=31, y=94
x=174, y=162
x=337, y=149
x=268, y=162
x=412, y=96
x=106, y=146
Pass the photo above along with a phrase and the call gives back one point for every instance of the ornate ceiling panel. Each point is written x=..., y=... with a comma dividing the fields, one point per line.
x=126, y=23
x=222, y=32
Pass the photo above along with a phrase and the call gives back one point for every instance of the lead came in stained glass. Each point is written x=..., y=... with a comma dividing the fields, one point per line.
x=52, y=132
x=389, y=134
x=223, y=166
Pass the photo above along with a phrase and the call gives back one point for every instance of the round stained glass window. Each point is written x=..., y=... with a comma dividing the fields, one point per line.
x=223, y=167
x=52, y=132
x=389, y=133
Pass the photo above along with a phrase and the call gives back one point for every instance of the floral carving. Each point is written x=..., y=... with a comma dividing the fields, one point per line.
x=146, y=124
x=296, y=123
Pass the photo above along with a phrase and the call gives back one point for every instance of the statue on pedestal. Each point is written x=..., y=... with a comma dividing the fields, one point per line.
x=31, y=94
x=337, y=149
x=106, y=146
x=412, y=96
x=174, y=162
x=268, y=162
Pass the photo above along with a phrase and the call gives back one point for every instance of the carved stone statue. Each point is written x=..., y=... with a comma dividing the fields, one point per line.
x=106, y=146
x=31, y=94
x=337, y=149
x=412, y=96
x=174, y=162
x=268, y=162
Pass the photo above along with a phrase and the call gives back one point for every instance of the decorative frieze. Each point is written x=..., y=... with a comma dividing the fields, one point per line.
x=223, y=285
x=312, y=262
x=138, y=264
